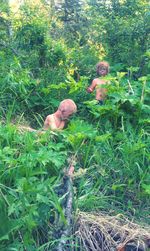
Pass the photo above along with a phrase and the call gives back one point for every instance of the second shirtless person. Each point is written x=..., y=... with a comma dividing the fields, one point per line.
x=102, y=70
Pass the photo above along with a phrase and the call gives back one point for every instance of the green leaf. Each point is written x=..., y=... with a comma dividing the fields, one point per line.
x=118, y=186
x=146, y=188
x=103, y=138
x=42, y=199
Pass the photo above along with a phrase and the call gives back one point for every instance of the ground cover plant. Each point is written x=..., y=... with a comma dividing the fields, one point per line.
x=49, y=54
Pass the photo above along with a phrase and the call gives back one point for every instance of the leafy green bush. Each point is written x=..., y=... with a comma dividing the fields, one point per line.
x=38, y=69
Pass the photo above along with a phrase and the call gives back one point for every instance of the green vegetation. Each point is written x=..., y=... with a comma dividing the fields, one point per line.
x=48, y=52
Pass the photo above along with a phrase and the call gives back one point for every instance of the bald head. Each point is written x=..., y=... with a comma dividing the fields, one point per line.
x=66, y=108
x=68, y=105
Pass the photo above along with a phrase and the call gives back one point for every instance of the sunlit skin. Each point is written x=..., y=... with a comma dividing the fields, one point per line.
x=102, y=71
x=58, y=120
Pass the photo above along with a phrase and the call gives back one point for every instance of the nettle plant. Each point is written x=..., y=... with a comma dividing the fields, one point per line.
x=31, y=168
x=126, y=100
x=118, y=149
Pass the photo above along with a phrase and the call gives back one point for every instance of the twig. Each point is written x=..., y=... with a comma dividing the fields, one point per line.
x=130, y=89
x=143, y=91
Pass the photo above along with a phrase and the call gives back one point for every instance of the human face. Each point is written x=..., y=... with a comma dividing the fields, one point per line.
x=64, y=113
x=102, y=71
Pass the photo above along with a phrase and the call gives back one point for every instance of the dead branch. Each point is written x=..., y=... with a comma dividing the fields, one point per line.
x=67, y=210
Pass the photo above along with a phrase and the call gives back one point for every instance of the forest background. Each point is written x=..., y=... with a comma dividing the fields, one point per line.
x=48, y=52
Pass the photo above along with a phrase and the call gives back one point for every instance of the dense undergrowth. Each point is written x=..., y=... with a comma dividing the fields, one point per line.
x=109, y=143
x=111, y=170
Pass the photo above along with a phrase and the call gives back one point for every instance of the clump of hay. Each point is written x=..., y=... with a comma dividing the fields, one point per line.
x=101, y=232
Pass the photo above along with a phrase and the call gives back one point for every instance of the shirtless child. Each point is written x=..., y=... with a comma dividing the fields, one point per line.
x=102, y=70
x=57, y=120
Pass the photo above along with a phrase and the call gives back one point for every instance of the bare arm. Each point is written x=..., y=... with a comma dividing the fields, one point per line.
x=92, y=86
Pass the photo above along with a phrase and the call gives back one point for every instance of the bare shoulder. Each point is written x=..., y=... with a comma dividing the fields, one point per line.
x=49, y=117
x=98, y=81
x=48, y=120
x=95, y=81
